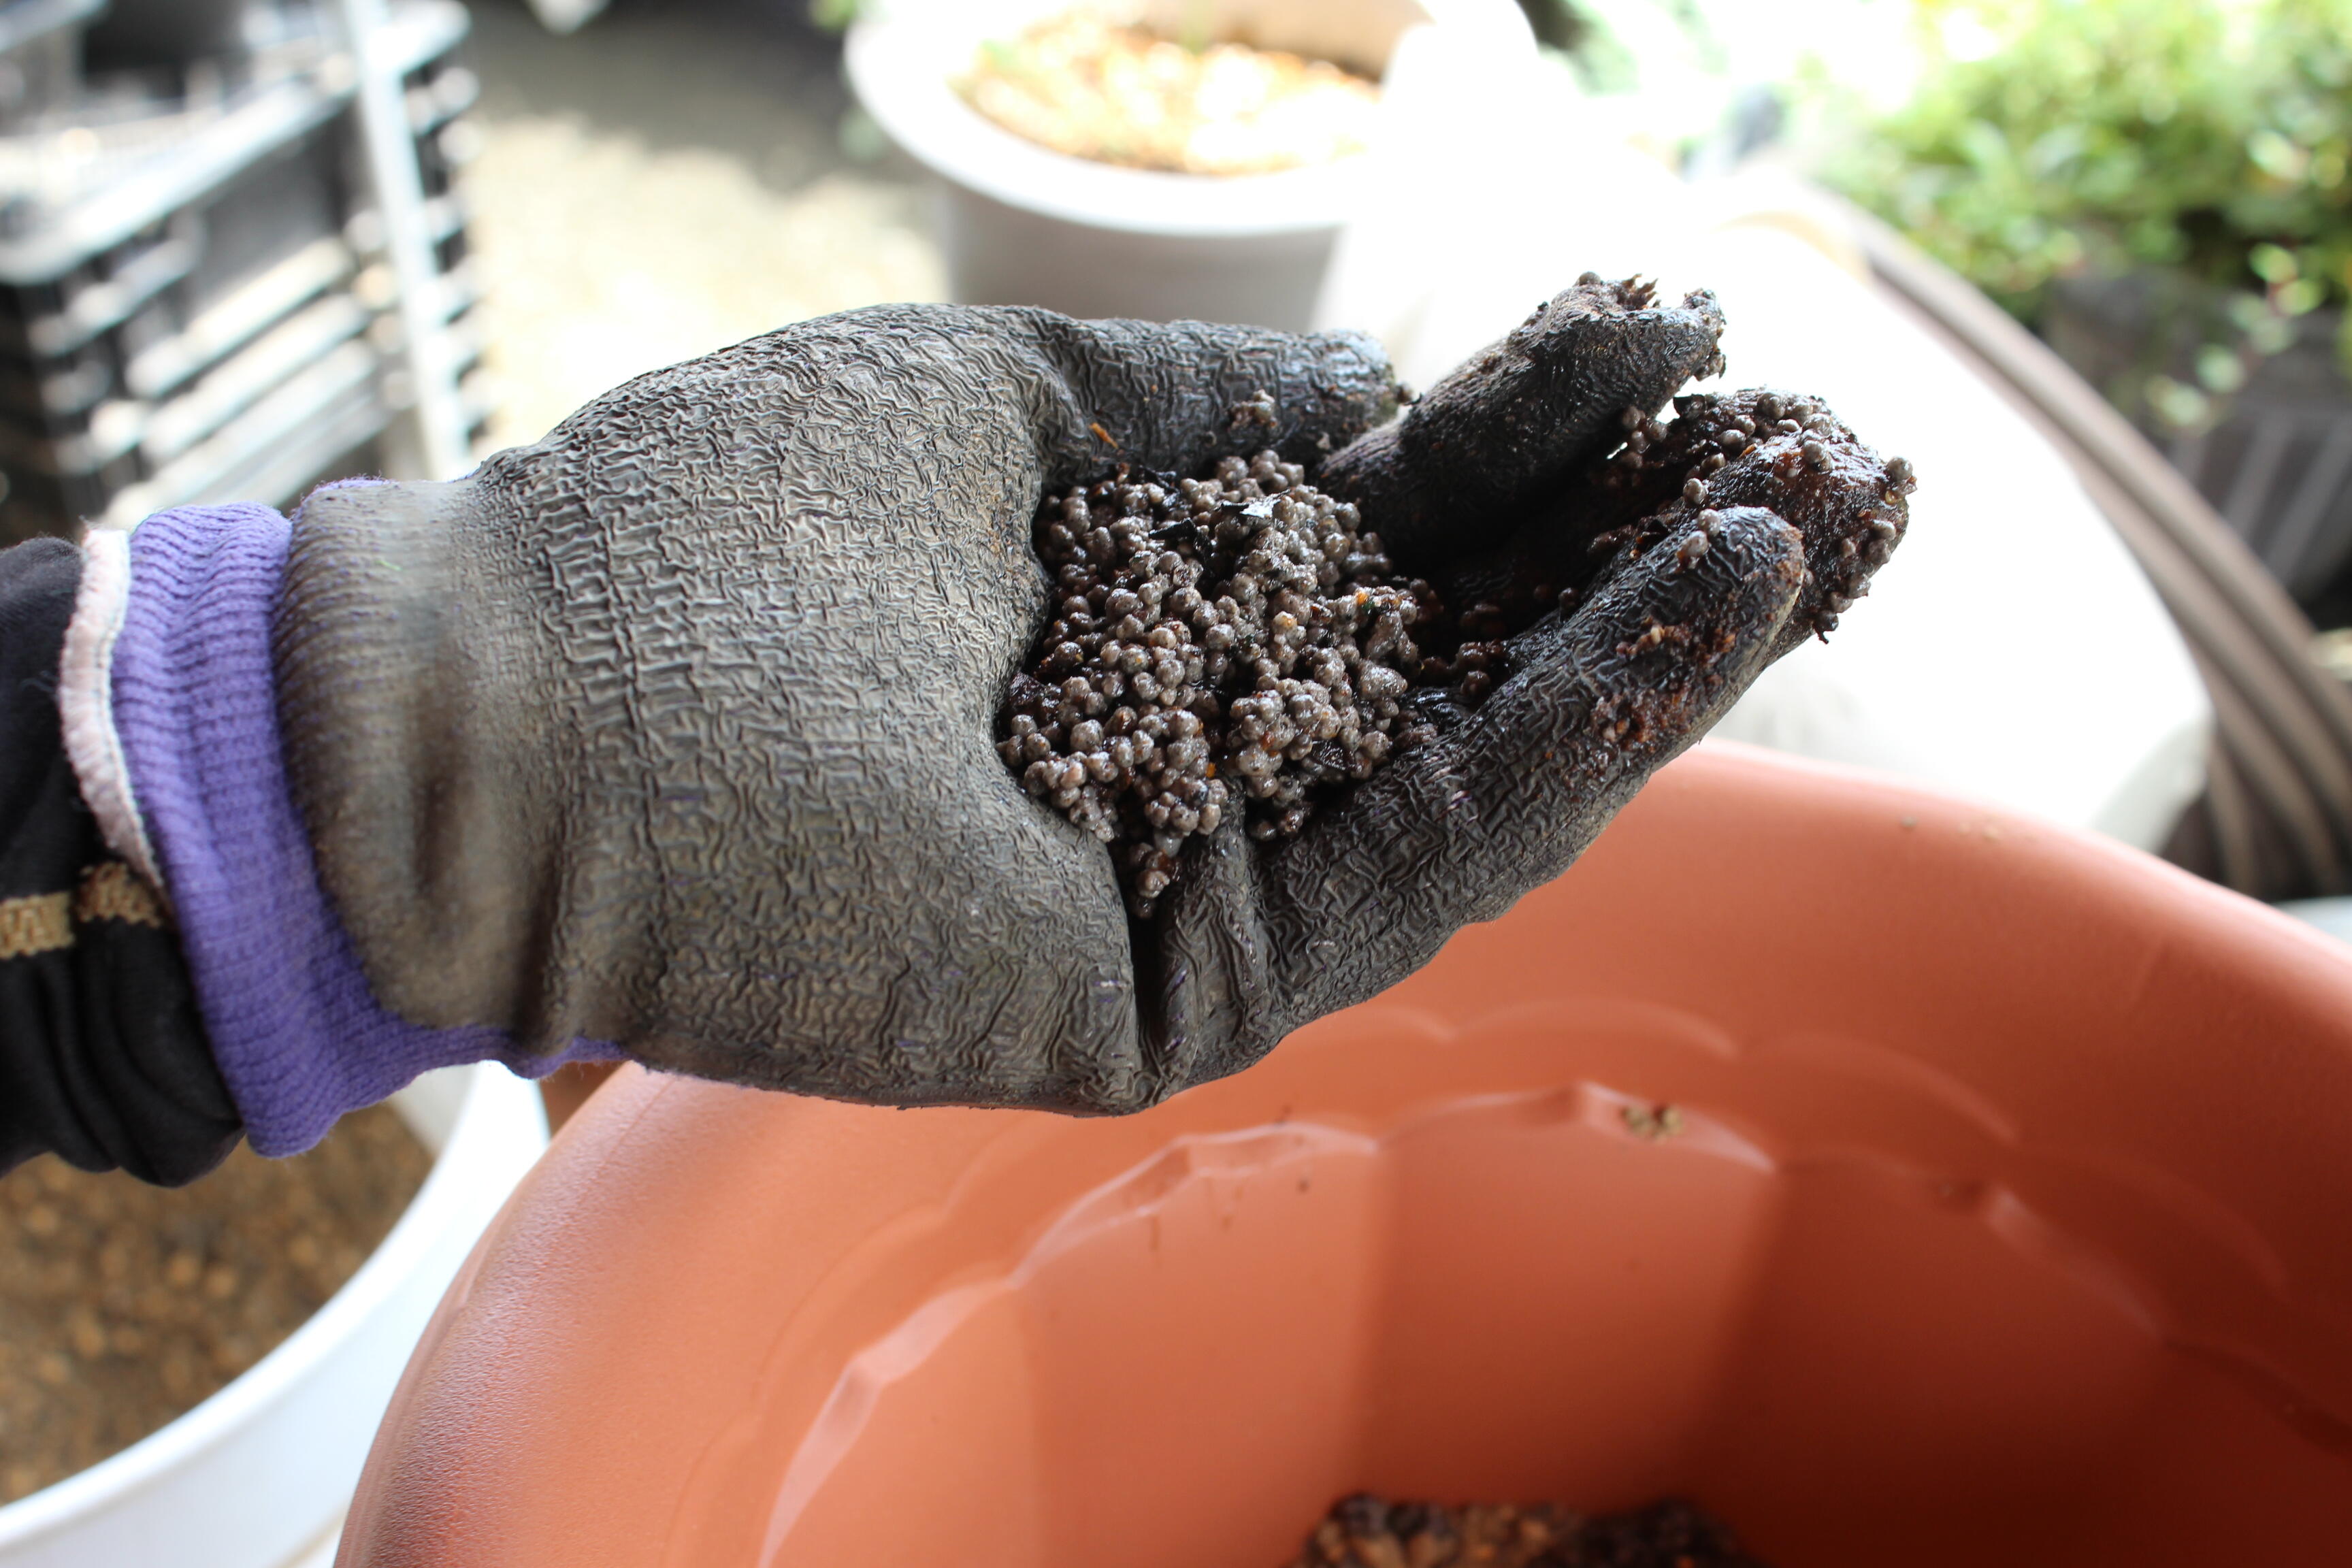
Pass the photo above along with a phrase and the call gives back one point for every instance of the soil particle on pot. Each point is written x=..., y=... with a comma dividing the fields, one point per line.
x=1655, y=1122
x=122, y=1306
x=1080, y=85
x=1367, y=1531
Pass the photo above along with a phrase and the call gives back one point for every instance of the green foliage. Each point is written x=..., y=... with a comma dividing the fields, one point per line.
x=2058, y=138
x=834, y=14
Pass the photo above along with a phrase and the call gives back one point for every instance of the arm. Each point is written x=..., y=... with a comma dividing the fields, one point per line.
x=103, y=1058
x=674, y=735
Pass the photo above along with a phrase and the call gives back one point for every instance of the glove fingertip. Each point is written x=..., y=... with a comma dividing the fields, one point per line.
x=1694, y=619
x=1173, y=398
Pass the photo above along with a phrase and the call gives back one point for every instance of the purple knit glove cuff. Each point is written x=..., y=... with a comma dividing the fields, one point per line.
x=299, y=1036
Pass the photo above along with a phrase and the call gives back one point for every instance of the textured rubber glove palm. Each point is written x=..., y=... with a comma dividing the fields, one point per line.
x=675, y=730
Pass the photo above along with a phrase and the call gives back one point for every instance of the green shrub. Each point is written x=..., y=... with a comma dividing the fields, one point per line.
x=2208, y=139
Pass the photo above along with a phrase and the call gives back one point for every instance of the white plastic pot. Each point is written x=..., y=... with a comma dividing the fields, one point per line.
x=258, y=1475
x=1024, y=226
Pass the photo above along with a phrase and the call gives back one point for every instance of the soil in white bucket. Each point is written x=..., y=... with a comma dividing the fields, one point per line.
x=122, y=1306
x=1184, y=169
x=1079, y=84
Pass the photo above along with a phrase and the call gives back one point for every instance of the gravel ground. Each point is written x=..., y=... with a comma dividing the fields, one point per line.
x=665, y=182
x=122, y=1305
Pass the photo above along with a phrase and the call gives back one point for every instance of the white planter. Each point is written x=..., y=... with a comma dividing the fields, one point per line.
x=1024, y=226
x=258, y=1475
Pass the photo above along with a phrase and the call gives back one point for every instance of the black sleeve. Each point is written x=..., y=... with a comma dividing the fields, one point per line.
x=102, y=1055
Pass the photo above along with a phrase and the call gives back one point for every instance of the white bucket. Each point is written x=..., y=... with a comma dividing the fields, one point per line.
x=259, y=1476
x=1024, y=226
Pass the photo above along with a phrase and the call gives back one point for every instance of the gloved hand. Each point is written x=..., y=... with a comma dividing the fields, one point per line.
x=676, y=728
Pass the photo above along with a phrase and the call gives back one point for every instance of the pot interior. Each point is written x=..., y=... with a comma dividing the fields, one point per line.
x=1831, y=1296
x=1906, y=1182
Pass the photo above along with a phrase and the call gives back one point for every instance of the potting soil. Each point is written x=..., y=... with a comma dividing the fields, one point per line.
x=1367, y=1531
x=122, y=1306
x=1237, y=642
x=1242, y=642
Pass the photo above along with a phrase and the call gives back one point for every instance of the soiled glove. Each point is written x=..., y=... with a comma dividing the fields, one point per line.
x=674, y=729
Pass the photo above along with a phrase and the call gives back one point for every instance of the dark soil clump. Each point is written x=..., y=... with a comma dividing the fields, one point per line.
x=1366, y=1532
x=1778, y=450
x=122, y=1306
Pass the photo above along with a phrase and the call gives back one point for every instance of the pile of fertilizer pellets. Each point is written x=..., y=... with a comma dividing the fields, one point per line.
x=1238, y=642
x=1242, y=643
x=1366, y=1532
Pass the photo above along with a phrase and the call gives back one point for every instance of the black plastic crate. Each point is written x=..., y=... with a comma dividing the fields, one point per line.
x=95, y=363
x=40, y=57
x=214, y=318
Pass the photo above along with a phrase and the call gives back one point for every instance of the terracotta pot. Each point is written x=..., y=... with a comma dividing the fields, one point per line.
x=1913, y=1185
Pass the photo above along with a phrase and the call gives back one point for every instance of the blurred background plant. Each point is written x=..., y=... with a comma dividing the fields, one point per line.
x=2160, y=189
x=2164, y=170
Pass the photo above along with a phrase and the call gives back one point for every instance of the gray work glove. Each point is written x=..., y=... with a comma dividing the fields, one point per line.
x=675, y=730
